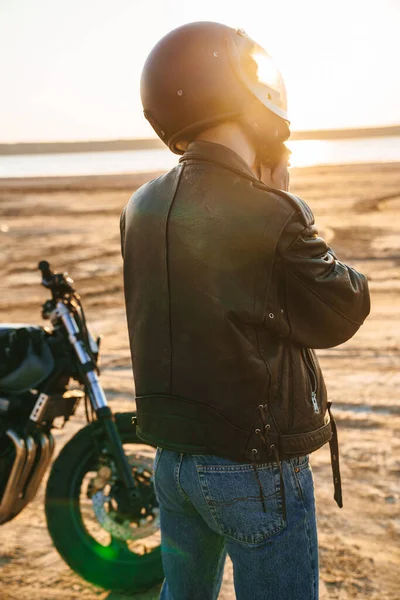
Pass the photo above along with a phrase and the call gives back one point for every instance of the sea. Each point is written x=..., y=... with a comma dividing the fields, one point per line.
x=305, y=153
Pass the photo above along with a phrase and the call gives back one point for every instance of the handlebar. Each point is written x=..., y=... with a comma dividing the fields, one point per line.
x=47, y=273
x=61, y=287
x=58, y=283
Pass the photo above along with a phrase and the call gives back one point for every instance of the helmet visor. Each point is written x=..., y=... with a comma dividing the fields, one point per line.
x=262, y=77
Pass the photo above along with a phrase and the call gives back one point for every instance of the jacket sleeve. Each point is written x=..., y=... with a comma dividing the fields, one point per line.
x=326, y=300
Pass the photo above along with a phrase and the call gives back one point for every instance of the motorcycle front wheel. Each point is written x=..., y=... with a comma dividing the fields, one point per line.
x=102, y=546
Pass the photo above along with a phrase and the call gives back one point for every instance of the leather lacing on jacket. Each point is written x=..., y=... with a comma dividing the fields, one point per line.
x=271, y=449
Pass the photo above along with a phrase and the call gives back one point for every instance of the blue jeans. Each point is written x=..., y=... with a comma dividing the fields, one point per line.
x=211, y=506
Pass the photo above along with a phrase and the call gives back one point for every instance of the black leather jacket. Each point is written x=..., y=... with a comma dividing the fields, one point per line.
x=227, y=287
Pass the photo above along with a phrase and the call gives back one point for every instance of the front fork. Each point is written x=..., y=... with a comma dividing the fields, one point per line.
x=130, y=496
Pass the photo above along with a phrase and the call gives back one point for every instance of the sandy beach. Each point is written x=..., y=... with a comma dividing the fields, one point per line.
x=74, y=224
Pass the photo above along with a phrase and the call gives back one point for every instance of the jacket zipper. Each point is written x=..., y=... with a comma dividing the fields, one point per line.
x=309, y=362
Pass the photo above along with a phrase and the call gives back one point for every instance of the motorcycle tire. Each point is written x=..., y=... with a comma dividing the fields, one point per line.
x=113, y=566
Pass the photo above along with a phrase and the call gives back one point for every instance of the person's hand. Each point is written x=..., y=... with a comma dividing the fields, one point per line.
x=280, y=175
x=277, y=176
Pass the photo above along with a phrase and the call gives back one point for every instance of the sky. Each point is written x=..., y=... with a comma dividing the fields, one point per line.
x=70, y=69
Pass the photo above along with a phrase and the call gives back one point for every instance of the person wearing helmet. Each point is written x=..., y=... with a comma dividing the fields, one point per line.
x=229, y=289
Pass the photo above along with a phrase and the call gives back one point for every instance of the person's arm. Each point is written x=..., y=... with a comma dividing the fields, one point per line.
x=326, y=301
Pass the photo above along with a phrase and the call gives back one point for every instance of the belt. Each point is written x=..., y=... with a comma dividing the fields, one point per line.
x=334, y=448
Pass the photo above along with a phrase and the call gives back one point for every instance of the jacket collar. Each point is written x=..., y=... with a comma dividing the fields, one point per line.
x=219, y=155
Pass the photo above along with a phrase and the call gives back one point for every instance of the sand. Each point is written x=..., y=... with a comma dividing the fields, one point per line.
x=74, y=223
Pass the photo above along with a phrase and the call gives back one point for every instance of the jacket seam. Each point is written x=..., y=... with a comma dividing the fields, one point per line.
x=265, y=303
x=284, y=273
x=262, y=356
x=174, y=191
x=268, y=291
x=302, y=235
x=267, y=387
x=258, y=270
x=139, y=396
x=309, y=288
x=322, y=300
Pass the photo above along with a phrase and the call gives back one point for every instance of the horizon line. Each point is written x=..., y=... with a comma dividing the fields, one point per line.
x=58, y=147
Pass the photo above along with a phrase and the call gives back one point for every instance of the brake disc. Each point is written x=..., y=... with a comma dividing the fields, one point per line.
x=110, y=520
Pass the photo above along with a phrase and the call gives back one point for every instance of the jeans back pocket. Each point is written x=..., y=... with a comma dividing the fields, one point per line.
x=232, y=494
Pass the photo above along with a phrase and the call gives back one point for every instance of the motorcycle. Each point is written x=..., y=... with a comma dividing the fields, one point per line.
x=100, y=504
